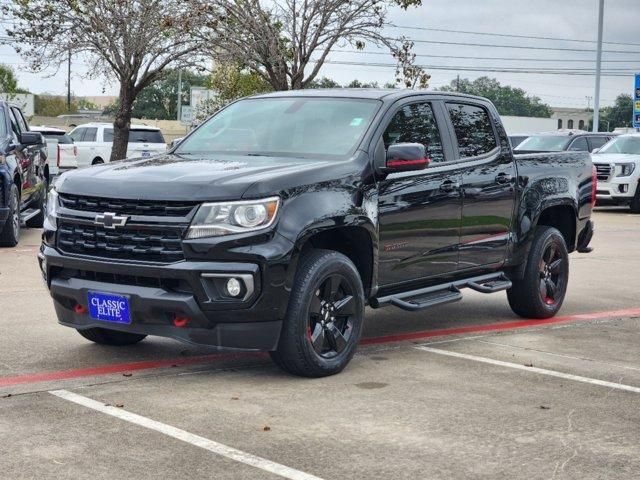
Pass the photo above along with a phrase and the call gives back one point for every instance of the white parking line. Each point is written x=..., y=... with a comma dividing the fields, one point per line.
x=196, y=440
x=542, y=371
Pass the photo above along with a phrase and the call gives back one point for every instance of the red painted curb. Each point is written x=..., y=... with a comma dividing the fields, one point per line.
x=203, y=359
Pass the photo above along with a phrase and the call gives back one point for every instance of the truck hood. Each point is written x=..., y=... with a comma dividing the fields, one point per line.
x=615, y=158
x=174, y=177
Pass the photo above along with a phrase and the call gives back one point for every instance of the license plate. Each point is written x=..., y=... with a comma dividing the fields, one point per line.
x=109, y=308
x=146, y=154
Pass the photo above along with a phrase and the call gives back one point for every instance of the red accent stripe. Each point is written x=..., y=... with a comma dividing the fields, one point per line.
x=402, y=163
x=203, y=359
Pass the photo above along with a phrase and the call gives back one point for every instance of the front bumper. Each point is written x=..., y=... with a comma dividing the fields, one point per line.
x=617, y=190
x=160, y=293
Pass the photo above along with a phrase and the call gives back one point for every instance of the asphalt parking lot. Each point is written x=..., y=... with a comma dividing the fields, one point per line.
x=466, y=390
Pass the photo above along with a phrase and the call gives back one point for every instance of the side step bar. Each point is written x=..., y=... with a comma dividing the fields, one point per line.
x=424, y=298
x=28, y=215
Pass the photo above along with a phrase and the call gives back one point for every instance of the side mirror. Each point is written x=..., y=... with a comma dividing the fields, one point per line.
x=406, y=157
x=595, y=150
x=31, y=138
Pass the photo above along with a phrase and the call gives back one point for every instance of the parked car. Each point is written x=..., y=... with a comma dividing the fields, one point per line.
x=61, y=151
x=618, y=166
x=571, y=140
x=94, y=142
x=24, y=175
x=274, y=223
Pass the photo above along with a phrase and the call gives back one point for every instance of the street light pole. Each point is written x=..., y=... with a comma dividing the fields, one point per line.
x=596, y=97
x=69, y=82
x=179, y=105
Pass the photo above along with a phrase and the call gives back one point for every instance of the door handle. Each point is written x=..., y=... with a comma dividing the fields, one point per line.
x=503, y=178
x=449, y=186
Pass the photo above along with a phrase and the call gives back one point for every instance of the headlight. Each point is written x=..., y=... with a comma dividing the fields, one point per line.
x=226, y=218
x=626, y=169
x=52, y=210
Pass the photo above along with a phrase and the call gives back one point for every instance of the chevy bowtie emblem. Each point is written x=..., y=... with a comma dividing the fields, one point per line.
x=110, y=220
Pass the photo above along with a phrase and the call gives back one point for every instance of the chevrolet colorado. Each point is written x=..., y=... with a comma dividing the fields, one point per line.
x=275, y=222
x=24, y=175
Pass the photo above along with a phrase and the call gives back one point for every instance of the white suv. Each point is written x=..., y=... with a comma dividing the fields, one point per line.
x=94, y=142
x=618, y=167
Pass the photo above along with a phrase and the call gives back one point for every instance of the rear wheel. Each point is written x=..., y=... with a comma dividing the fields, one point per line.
x=10, y=234
x=111, y=337
x=324, y=319
x=635, y=203
x=540, y=293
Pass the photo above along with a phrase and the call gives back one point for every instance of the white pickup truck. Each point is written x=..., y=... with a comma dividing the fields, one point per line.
x=618, y=167
x=61, y=151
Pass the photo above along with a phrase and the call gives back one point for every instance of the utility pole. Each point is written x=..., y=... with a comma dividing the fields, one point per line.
x=458, y=83
x=596, y=102
x=588, y=97
x=179, y=105
x=69, y=82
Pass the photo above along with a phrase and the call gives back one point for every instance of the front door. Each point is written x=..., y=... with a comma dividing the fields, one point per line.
x=420, y=212
x=488, y=185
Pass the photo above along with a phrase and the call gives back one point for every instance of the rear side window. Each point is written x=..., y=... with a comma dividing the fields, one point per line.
x=90, y=135
x=597, y=142
x=137, y=136
x=416, y=124
x=473, y=129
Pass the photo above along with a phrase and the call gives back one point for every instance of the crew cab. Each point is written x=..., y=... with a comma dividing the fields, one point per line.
x=24, y=175
x=275, y=222
x=93, y=142
x=618, y=167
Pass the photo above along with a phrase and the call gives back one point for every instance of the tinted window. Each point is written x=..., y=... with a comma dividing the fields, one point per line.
x=61, y=137
x=473, y=129
x=597, y=142
x=416, y=124
x=90, y=135
x=293, y=126
x=3, y=125
x=579, y=145
x=20, y=119
x=137, y=136
x=77, y=134
x=14, y=123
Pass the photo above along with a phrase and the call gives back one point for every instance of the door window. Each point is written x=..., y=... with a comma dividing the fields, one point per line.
x=14, y=124
x=597, y=142
x=22, y=124
x=473, y=129
x=416, y=123
x=579, y=145
x=90, y=135
x=77, y=134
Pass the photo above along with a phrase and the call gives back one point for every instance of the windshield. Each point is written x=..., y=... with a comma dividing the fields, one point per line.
x=622, y=145
x=294, y=127
x=545, y=143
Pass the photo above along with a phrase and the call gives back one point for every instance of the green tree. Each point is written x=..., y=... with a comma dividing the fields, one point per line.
x=508, y=100
x=618, y=115
x=8, y=81
x=324, y=82
x=358, y=84
x=50, y=105
x=159, y=100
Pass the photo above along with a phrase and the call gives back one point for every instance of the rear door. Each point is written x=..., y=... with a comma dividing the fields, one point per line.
x=488, y=183
x=420, y=211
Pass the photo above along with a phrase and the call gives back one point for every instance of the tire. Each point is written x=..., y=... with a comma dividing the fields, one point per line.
x=114, y=338
x=635, y=203
x=324, y=319
x=38, y=220
x=10, y=234
x=97, y=161
x=541, y=291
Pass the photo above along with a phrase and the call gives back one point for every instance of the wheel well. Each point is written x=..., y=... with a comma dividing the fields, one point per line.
x=562, y=217
x=97, y=160
x=353, y=242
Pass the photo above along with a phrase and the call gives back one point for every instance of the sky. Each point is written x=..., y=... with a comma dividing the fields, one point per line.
x=557, y=19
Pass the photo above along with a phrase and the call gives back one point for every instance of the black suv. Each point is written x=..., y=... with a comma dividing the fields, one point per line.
x=273, y=224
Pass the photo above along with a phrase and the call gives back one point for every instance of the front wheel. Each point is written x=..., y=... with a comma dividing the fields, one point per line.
x=635, y=203
x=324, y=320
x=541, y=291
x=10, y=233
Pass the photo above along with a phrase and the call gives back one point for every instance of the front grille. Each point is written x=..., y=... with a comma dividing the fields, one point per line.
x=149, y=244
x=603, y=171
x=149, y=208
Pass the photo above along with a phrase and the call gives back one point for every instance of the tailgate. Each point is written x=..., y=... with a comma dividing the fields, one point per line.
x=146, y=149
x=67, y=156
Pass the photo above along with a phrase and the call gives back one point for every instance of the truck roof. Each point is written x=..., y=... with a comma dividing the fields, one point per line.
x=366, y=93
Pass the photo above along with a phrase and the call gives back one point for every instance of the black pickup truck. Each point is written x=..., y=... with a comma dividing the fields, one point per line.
x=24, y=174
x=273, y=225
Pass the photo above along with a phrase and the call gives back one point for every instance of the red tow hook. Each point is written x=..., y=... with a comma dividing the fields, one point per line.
x=80, y=309
x=181, y=322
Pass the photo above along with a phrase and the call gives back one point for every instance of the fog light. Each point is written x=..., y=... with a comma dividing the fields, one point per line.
x=623, y=188
x=234, y=287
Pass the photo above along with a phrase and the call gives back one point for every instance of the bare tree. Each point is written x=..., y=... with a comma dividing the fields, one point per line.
x=287, y=42
x=130, y=41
